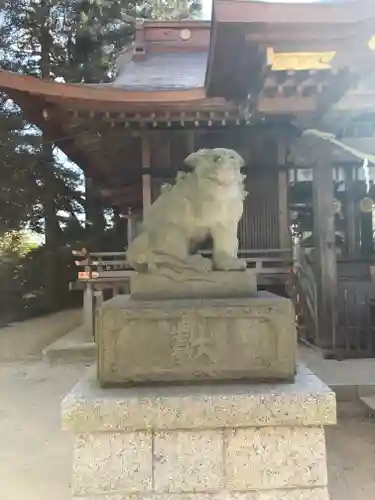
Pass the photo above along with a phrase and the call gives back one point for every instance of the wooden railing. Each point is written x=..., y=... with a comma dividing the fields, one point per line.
x=307, y=282
x=354, y=335
x=105, y=266
x=303, y=291
x=113, y=265
x=110, y=270
x=272, y=261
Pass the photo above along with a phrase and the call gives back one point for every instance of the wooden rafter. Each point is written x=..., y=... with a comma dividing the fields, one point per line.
x=52, y=123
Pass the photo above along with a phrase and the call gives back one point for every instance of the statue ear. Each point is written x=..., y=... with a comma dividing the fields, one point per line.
x=240, y=162
x=193, y=159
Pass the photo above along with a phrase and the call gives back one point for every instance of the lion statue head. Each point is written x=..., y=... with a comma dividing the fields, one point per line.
x=223, y=166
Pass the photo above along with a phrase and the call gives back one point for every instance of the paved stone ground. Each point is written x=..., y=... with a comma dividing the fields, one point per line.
x=35, y=454
x=350, y=445
x=28, y=338
x=347, y=372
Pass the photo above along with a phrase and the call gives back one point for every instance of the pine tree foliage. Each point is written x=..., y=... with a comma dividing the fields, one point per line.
x=74, y=41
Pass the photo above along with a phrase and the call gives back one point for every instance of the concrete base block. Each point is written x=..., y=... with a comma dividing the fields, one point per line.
x=240, y=442
x=215, y=284
x=194, y=340
x=71, y=348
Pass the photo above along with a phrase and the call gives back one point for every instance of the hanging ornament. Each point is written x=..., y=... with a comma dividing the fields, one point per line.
x=365, y=205
x=336, y=206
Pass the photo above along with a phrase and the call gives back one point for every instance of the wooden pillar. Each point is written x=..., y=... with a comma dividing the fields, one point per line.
x=88, y=310
x=367, y=246
x=168, y=153
x=285, y=237
x=351, y=218
x=190, y=137
x=146, y=172
x=284, y=230
x=98, y=301
x=324, y=239
x=165, y=170
x=130, y=235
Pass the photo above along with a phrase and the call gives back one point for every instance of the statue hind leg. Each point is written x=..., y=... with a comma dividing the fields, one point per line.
x=168, y=248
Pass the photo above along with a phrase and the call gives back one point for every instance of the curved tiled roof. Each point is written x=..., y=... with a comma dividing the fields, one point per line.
x=168, y=71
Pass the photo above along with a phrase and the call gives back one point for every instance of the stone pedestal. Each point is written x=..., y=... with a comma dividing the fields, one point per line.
x=215, y=284
x=206, y=442
x=182, y=340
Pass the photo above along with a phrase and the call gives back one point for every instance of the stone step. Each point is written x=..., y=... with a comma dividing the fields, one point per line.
x=75, y=346
x=369, y=401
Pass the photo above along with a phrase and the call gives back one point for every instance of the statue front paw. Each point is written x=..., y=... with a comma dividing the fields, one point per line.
x=200, y=263
x=230, y=264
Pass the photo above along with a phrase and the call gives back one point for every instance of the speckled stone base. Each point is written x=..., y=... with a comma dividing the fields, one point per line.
x=218, y=442
x=190, y=340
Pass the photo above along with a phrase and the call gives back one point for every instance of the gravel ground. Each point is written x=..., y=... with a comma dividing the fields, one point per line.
x=35, y=455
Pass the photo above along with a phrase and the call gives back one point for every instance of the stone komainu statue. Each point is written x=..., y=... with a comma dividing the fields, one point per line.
x=208, y=201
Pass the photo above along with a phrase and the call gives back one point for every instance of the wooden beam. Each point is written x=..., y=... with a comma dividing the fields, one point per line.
x=285, y=240
x=150, y=24
x=126, y=111
x=290, y=37
x=324, y=240
x=278, y=105
x=351, y=219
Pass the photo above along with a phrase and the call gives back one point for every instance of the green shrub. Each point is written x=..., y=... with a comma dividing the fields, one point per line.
x=22, y=278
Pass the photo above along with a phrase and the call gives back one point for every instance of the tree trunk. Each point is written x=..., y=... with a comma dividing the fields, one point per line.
x=52, y=233
x=95, y=222
x=52, y=230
